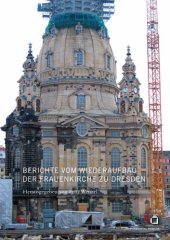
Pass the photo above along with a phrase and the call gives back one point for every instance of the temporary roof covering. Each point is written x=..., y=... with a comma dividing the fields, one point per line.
x=78, y=218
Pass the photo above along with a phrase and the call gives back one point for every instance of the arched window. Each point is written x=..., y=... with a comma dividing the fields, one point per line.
x=47, y=157
x=115, y=163
x=81, y=101
x=108, y=61
x=37, y=105
x=47, y=163
x=143, y=158
x=82, y=163
x=79, y=57
x=82, y=157
x=19, y=104
x=122, y=106
x=49, y=59
x=115, y=157
x=140, y=106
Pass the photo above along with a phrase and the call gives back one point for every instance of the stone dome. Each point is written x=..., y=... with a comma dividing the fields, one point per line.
x=82, y=57
x=62, y=45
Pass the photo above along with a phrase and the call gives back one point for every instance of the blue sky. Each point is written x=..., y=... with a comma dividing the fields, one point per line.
x=20, y=23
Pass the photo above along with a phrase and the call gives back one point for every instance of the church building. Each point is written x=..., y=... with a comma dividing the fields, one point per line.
x=78, y=138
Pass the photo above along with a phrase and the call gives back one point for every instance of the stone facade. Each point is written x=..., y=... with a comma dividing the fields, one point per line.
x=108, y=126
x=94, y=133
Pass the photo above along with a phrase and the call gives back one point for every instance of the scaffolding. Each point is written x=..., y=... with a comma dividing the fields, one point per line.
x=71, y=19
x=101, y=8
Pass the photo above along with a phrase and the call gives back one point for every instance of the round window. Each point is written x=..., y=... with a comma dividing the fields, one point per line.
x=82, y=129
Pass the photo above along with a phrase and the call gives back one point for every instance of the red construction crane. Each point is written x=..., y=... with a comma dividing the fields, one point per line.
x=155, y=115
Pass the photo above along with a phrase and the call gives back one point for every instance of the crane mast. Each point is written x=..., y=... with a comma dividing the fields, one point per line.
x=155, y=115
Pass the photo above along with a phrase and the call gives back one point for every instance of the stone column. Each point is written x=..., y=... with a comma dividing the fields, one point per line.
x=61, y=165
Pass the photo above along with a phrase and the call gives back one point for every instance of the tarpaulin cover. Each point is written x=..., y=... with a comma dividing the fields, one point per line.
x=77, y=218
x=5, y=201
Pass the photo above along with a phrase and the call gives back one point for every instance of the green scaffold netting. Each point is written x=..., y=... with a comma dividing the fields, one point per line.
x=71, y=19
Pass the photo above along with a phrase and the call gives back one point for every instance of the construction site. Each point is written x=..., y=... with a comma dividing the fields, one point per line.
x=83, y=158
